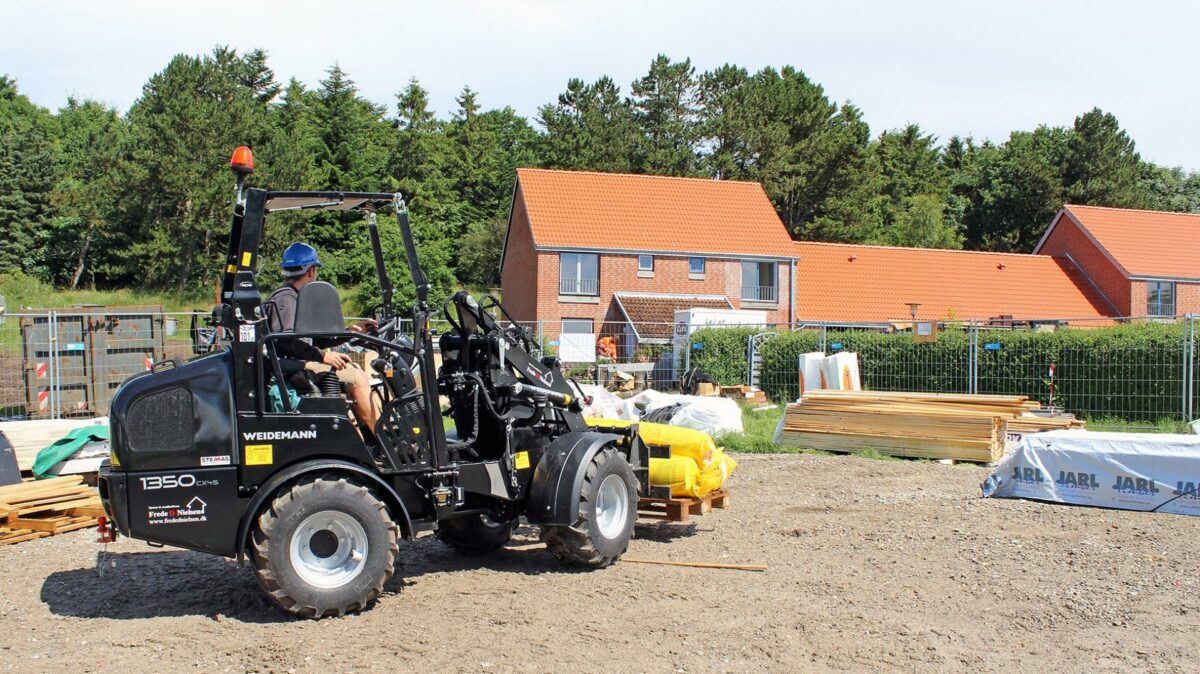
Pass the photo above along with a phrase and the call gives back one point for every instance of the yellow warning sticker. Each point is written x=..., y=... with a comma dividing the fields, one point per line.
x=231, y=269
x=246, y=257
x=259, y=455
x=521, y=460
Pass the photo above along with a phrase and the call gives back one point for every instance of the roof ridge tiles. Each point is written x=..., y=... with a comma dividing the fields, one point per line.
x=1132, y=210
x=717, y=181
x=832, y=244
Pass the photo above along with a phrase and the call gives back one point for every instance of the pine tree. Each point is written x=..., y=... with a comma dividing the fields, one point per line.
x=590, y=128
x=27, y=175
x=186, y=123
x=665, y=111
x=418, y=160
x=729, y=119
x=1102, y=166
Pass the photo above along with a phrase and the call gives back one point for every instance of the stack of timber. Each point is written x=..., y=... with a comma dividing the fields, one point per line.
x=918, y=425
x=1036, y=423
x=40, y=508
x=30, y=437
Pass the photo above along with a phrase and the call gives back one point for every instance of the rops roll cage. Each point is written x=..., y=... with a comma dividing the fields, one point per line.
x=242, y=318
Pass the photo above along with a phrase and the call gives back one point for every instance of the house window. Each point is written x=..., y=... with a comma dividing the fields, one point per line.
x=577, y=326
x=645, y=263
x=1160, y=298
x=579, y=274
x=760, y=281
x=695, y=265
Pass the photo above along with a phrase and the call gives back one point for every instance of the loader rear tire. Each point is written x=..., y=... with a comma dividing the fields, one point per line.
x=324, y=547
x=607, y=512
x=475, y=534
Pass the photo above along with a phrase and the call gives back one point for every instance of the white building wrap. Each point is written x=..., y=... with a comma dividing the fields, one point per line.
x=1131, y=471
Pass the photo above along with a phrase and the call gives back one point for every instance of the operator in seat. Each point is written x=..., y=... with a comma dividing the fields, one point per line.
x=299, y=267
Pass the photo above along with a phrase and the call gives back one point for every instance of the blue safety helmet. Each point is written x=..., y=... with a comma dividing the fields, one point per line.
x=298, y=258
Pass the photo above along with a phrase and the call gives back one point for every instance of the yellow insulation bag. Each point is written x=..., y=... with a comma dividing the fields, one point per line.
x=696, y=445
x=714, y=475
x=679, y=473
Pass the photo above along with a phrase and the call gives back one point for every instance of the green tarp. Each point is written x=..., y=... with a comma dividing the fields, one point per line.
x=62, y=449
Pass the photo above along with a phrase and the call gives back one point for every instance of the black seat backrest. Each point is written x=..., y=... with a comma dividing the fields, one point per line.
x=319, y=309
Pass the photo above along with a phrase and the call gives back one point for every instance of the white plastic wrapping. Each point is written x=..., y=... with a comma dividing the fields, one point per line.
x=1130, y=471
x=604, y=404
x=713, y=415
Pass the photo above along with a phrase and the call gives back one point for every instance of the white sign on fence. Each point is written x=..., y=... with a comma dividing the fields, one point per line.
x=1130, y=471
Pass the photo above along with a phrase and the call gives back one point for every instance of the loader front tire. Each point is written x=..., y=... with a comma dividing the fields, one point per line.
x=324, y=547
x=607, y=512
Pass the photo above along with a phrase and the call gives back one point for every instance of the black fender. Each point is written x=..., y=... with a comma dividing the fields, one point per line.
x=554, y=490
x=271, y=486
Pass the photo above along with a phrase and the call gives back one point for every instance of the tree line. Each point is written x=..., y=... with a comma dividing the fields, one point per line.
x=91, y=196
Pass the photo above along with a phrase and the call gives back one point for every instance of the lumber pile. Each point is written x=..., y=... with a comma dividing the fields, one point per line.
x=919, y=425
x=40, y=508
x=1036, y=423
x=30, y=437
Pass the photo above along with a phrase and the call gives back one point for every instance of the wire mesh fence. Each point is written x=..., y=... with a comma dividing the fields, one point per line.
x=69, y=362
x=66, y=363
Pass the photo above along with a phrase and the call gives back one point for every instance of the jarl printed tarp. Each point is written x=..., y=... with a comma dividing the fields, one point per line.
x=1130, y=471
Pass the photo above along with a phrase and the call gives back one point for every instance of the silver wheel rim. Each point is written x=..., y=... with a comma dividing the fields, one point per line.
x=329, y=549
x=612, y=506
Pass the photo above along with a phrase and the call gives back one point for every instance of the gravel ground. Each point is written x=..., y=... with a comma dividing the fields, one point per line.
x=873, y=564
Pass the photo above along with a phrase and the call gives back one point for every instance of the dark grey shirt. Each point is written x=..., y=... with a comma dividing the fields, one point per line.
x=283, y=319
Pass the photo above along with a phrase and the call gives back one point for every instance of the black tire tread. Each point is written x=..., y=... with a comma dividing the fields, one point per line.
x=572, y=544
x=265, y=532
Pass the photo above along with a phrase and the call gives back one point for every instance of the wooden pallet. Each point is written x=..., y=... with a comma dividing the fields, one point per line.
x=41, y=508
x=678, y=508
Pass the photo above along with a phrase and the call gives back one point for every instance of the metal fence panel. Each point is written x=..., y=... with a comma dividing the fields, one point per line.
x=66, y=362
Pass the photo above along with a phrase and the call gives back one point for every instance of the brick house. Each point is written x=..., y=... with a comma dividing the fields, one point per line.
x=615, y=254
x=605, y=253
x=1144, y=263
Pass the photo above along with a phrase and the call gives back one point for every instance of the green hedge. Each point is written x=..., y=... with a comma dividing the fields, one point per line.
x=1132, y=372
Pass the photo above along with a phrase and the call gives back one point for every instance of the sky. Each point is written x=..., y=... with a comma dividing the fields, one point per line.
x=954, y=67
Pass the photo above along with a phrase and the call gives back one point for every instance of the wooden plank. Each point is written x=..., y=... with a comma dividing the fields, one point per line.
x=37, y=486
x=84, y=524
x=19, y=536
x=678, y=508
x=62, y=506
x=50, y=524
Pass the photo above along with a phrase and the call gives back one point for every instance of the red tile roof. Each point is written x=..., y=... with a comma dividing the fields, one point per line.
x=653, y=316
x=870, y=284
x=1145, y=243
x=616, y=211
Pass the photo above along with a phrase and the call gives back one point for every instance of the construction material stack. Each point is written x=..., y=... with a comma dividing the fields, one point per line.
x=40, y=508
x=917, y=425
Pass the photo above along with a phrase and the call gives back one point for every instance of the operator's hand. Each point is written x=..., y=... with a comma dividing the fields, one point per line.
x=335, y=359
x=369, y=326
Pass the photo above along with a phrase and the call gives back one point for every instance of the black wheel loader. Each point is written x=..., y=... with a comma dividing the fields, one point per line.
x=223, y=454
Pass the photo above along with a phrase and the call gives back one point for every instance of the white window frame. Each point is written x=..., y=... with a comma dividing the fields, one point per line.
x=576, y=284
x=691, y=268
x=643, y=257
